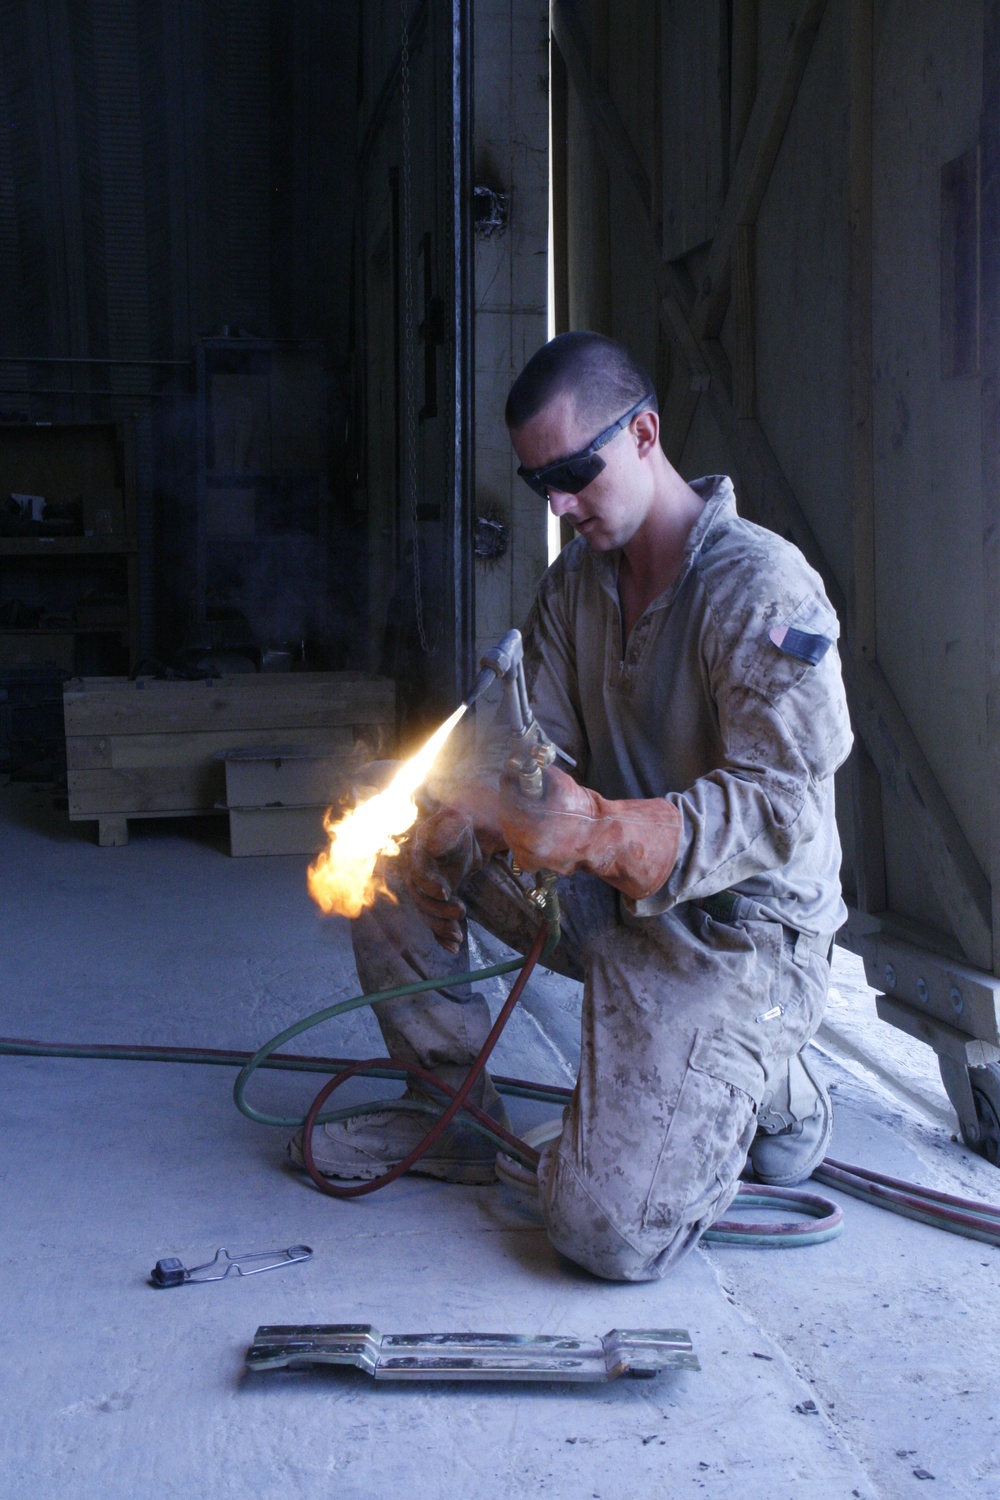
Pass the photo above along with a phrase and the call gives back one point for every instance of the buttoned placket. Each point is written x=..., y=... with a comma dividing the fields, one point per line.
x=624, y=659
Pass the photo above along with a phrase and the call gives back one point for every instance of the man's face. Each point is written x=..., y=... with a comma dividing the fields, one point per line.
x=608, y=511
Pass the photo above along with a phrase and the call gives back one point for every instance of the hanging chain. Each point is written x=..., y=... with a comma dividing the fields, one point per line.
x=409, y=402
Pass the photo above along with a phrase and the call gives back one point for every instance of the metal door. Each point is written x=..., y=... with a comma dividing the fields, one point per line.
x=414, y=346
x=798, y=209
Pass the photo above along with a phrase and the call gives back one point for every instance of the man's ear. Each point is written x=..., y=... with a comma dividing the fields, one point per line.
x=646, y=427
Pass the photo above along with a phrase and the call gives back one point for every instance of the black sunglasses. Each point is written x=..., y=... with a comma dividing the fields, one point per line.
x=573, y=474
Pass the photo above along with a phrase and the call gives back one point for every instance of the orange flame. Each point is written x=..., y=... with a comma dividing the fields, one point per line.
x=343, y=879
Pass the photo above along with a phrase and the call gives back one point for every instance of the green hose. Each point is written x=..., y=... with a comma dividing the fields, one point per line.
x=514, y=1088
x=341, y=1008
x=264, y=1058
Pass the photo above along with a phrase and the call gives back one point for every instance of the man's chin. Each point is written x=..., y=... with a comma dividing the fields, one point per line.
x=597, y=540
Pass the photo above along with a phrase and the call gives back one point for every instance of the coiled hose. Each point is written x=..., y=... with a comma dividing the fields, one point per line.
x=823, y=1218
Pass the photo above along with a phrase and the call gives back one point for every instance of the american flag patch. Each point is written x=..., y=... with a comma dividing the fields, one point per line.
x=800, y=644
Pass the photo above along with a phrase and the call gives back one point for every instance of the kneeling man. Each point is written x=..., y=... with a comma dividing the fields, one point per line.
x=686, y=660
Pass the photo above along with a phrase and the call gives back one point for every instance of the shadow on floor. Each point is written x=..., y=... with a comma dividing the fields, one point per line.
x=42, y=809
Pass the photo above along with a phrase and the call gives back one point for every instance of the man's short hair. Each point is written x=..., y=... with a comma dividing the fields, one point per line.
x=605, y=379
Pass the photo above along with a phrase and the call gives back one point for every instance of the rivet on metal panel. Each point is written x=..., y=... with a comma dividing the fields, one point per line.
x=957, y=1002
x=890, y=977
x=923, y=993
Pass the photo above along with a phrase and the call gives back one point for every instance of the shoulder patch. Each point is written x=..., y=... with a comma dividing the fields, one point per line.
x=800, y=644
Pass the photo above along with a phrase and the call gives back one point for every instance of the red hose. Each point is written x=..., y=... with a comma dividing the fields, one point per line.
x=980, y=1221
x=458, y=1097
x=965, y=1216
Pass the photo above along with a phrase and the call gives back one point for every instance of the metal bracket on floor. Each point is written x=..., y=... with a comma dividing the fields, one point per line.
x=638, y=1353
x=963, y=999
x=957, y=1053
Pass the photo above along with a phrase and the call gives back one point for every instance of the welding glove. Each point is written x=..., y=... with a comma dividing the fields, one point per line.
x=445, y=849
x=630, y=844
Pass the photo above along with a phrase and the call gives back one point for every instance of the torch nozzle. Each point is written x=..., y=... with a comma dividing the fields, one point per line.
x=502, y=661
x=484, y=678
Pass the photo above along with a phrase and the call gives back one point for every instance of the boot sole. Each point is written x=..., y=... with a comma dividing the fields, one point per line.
x=467, y=1174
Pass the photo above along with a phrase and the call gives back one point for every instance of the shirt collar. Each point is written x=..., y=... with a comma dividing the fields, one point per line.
x=716, y=490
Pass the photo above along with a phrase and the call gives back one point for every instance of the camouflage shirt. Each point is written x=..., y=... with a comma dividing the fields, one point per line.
x=727, y=699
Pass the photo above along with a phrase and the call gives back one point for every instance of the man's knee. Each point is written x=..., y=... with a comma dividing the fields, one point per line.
x=609, y=1242
x=624, y=1227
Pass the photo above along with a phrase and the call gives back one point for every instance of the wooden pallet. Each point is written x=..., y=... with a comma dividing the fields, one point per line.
x=150, y=749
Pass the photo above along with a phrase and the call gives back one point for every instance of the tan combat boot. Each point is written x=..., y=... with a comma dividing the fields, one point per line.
x=794, y=1125
x=370, y=1144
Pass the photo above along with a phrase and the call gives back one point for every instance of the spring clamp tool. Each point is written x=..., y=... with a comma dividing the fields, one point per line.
x=172, y=1272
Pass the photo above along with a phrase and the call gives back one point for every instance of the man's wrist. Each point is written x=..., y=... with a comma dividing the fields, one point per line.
x=480, y=803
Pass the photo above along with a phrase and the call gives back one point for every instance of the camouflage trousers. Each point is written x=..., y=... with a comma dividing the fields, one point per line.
x=687, y=1024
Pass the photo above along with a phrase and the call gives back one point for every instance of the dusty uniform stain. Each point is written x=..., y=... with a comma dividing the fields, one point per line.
x=687, y=1020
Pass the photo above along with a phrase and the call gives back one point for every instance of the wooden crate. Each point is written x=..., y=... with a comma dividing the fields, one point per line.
x=276, y=830
x=277, y=797
x=150, y=749
x=283, y=776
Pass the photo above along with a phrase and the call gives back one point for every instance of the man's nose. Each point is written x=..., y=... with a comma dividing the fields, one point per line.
x=561, y=503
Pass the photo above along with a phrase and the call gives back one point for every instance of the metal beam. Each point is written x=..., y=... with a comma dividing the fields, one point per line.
x=754, y=165
x=989, y=345
x=558, y=136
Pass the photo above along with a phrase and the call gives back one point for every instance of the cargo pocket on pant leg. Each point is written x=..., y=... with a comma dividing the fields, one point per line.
x=708, y=1136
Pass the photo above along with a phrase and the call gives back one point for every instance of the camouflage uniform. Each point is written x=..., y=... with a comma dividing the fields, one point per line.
x=690, y=1011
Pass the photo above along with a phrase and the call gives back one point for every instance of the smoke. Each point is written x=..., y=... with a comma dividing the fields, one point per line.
x=283, y=591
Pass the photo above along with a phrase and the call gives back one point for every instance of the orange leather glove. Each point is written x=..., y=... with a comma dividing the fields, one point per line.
x=630, y=844
x=445, y=848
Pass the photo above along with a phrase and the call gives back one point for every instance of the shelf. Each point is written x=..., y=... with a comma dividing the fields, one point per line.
x=63, y=461
x=235, y=479
x=67, y=546
x=65, y=630
x=258, y=538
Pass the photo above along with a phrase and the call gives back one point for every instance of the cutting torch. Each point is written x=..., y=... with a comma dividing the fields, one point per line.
x=531, y=749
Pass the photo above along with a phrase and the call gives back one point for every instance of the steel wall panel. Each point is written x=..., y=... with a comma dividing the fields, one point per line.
x=928, y=543
x=814, y=350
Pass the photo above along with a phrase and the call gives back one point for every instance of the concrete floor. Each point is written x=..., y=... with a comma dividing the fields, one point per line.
x=111, y=1389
